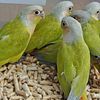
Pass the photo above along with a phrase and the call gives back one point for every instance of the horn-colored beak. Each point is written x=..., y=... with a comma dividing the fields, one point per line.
x=68, y=13
x=42, y=14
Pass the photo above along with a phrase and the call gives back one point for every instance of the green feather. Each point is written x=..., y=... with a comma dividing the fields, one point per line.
x=11, y=44
x=91, y=33
x=48, y=54
x=16, y=34
x=49, y=32
x=72, y=62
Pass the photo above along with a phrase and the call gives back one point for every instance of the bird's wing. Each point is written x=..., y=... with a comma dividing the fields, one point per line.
x=81, y=63
x=13, y=39
x=49, y=52
x=47, y=31
x=65, y=67
x=92, y=36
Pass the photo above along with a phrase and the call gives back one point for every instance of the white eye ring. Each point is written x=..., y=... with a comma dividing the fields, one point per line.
x=37, y=12
x=70, y=8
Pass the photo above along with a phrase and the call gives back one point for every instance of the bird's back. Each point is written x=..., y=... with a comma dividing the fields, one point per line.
x=47, y=31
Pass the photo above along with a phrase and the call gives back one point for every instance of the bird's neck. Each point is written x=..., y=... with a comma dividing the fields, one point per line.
x=59, y=15
x=28, y=23
x=72, y=36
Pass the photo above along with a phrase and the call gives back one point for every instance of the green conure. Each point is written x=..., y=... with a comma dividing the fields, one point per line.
x=16, y=34
x=48, y=30
x=94, y=9
x=91, y=31
x=73, y=60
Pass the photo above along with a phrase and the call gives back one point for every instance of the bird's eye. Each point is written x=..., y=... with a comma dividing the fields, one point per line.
x=74, y=17
x=70, y=8
x=63, y=23
x=98, y=12
x=37, y=12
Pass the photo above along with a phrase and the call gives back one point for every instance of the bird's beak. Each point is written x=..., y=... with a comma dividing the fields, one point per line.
x=42, y=15
x=68, y=13
x=95, y=17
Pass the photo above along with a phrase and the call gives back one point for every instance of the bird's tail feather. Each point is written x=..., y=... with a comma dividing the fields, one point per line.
x=72, y=96
x=84, y=96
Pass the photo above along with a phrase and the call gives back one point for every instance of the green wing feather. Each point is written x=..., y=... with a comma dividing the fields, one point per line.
x=62, y=59
x=48, y=54
x=92, y=36
x=13, y=41
x=47, y=31
x=72, y=62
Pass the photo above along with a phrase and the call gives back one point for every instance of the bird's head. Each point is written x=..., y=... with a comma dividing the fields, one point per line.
x=64, y=25
x=33, y=13
x=31, y=16
x=94, y=9
x=81, y=16
x=72, y=29
x=63, y=9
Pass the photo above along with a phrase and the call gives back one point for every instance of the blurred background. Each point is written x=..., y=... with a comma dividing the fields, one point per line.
x=9, y=11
